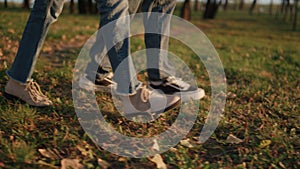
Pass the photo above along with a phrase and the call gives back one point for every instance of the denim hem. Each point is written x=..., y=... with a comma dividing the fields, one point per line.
x=133, y=92
x=7, y=73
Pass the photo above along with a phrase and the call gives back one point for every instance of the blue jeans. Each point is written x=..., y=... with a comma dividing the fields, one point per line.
x=45, y=12
x=119, y=54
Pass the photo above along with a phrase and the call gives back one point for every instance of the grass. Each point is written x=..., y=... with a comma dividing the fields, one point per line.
x=260, y=55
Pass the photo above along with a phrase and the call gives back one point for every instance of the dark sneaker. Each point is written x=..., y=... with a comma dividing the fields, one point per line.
x=29, y=93
x=103, y=85
x=175, y=86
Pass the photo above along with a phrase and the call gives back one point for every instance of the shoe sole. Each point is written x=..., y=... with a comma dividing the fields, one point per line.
x=15, y=98
x=187, y=96
x=156, y=113
x=192, y=95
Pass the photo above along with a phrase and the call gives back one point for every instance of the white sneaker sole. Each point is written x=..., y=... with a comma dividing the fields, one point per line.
x=192, y=95
x=187, y=96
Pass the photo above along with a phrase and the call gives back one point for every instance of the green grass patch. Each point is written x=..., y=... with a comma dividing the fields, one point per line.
x=261, y=59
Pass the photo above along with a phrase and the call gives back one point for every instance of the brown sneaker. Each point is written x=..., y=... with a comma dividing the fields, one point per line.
x=29, y=93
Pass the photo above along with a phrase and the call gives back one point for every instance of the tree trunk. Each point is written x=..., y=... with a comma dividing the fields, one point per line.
x=90, y=6
x=225, y=5
x=252, y=7
x=26, y=4
x=295, y=14
x=196, y=5
x=72, y=6
x=286, y=10
x=186, y=10
x=82, y=8
x=271, y=7
x=5, y=3
x=211, y=9
x=282, y=6
x=292, y=11
x=242, y=4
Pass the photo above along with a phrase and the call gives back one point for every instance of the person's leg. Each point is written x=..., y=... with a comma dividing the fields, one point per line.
x=98, y=54
x=157, y=19
x=44, y=13
x=160, y=71
x=115, y=25
x=20, y=86
x=113, y=12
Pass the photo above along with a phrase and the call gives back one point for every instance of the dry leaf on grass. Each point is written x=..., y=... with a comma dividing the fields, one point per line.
x=71, y=164
x=157, y=159
x=48, y=153
x=264, y=143
x=103, y=164
x=2, y=164
x=233, y=139
x=186, y=143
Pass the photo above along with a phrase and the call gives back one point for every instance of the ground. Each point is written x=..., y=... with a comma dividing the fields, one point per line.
x=260, y=55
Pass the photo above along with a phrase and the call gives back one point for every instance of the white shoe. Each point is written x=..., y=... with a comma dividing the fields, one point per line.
x=147, y=101
x=29, y=93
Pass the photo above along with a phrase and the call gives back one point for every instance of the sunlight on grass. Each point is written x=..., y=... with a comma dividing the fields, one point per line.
x=261, y=59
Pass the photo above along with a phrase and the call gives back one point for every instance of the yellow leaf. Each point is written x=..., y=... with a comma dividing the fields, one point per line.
x=264, y=143
x=71, y=163
x=157, y=159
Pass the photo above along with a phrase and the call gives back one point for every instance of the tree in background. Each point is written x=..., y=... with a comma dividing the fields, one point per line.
x=271, y=7
x=196, y=5
x=186, y=10
x=72, y=6
x=225, y=5
x=5, y=3
x=286, y=9
x=211, y=9
x=86, y=6
x=252, y=7
x=242, y=4
x=82, y=6
x=295, y=14
x=26, y=4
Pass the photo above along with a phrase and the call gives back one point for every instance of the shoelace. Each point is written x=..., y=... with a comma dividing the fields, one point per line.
x=177, y=81
x=145, y=93
x=35, y=91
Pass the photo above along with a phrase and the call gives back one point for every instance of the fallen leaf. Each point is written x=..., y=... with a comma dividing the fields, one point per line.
x=172, y=149
x=233, y=139
x=231, y=95
x=48, y=153
x=103, y=164
x=82, y=150
x=47, y=165
x=123, y=159
x=2, y=164
x=47, y=49
x=71, y=163
x=264, y=143
x=11, y=31
x=186, y=143
x=157, y=159
x=281, y=165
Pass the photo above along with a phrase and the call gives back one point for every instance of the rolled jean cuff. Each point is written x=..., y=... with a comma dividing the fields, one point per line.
x=130, y=93
x=19, y=81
